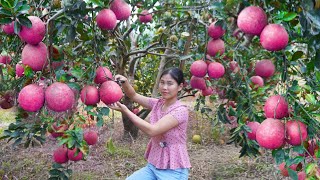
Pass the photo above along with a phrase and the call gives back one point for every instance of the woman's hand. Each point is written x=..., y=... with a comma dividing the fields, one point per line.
x=118, y=107
x=120, y=78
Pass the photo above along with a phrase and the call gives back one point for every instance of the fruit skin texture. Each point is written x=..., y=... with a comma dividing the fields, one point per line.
x=274, y=37
x=215, y=31
x=253, y=126
x=252, y=20
x=91, y=137
x=19, y=70
x=215, y=46
x=302, y=175
x=215, y=70
x=198, y=83
x=257, y=80
x=146, y=17
x=110, y=92
x=4, y=59
x=8, y=28
x=106, y=19
x=35, y=56
x=59, y=97
x=90, y=95
x=199, y=68
x=270, y=134
x=72, y=152
x=207, y=92
x=35, y=34
x=294, y=129
x=136, y=110
x=234, y=66
x=103, y=74
x=272, y=107
x=121, y=9
x=31, y=98
x=60, y=155
x=264, y=68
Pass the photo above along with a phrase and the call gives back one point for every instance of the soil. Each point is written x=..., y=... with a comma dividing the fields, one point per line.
x=211, y=159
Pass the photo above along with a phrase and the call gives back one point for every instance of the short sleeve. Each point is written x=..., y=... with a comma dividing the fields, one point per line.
x=180, y=113
x=152, y=102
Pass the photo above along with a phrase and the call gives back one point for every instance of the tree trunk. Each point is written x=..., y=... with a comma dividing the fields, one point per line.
x=160, y=69
x=130, y=130
x=188, y=44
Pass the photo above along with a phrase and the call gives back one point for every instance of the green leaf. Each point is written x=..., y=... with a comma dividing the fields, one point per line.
x=297, y=55
x=5, y=20
x=289, y=16
x=104, y=111
x=54, y=172
x=71, y=34
x=110, y=147
x=5, y=4
x=5, y=12
x=100, y=121
x=278, y=155
x=23, y=9
x=310, y=167
x=293, y=174
x=24, y=21
x=57, y=166
x=97, y=2
x=28, y=72
x=88, y=108
x=77, y=73
x=311, y=99
x=74, y=85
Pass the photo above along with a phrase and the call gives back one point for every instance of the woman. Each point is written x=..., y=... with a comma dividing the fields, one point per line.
x=166, y=152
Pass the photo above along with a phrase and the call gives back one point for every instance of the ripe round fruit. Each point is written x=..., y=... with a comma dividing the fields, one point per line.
x=90, y=95
x=59, y=97
x=8, y=28
x=136, y=110
x=121, y=9
x=91, y=137
x=198, y=83
x=215, y=46
x=196, y=139
x=215, y=70
x=103, y=74
x=106, y=19
x=145, y=17
x=207, y=92
x=60, y=155
x=276, y=107
x=257, y=80
x=35, y=56
x=19, y=70
x=252, y=20
x=264, y=68
x=5, y=59
x=215, y=31
x=72, y=157
x=110, y=92
x=58, y=131
x=31, y=98
x=296, y=132
x=199, y=68
x=234, y=67
x=270, y=134
x=253, y=126
x=274, y=37
x=35, y=34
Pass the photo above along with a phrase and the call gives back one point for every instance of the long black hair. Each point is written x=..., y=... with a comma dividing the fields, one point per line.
x=175, y=73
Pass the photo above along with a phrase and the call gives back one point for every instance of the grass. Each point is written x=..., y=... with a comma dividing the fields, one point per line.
x=7, y=115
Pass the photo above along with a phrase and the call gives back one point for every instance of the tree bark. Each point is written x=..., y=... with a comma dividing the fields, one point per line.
x=162, y=65
x=187, y=45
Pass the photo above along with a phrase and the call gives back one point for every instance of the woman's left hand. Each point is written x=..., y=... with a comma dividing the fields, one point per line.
x=118, y=107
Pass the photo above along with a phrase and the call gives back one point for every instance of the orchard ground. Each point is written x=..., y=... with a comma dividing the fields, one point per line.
x=212, y=159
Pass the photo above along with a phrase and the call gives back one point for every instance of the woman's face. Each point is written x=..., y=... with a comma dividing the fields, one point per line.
x=169, y=87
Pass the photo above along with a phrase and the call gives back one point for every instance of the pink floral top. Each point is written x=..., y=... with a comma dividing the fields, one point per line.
x=174, y=154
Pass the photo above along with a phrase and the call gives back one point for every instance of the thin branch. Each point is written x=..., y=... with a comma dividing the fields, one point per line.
x=61, y=11
x=143, y=50
x=127, y=32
